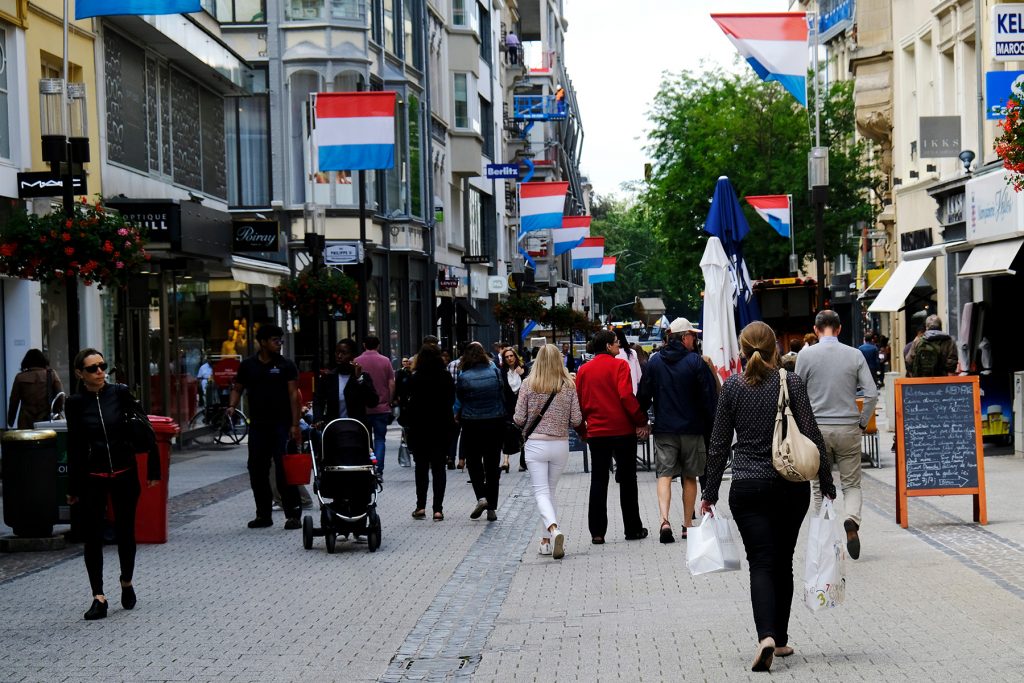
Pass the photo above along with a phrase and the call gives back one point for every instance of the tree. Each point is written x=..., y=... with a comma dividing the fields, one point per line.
x=714, y=123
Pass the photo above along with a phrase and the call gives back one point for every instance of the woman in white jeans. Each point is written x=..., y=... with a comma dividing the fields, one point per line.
x=547, y=437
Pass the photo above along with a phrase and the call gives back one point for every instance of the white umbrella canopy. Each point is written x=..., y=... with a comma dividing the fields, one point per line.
x=719, y=319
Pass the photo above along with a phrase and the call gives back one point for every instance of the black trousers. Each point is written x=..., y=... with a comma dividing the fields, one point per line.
x=621, y=449
x=768, y=514
x=481, y=449
x=123, y=491
x=267, y=444
x=430, y=454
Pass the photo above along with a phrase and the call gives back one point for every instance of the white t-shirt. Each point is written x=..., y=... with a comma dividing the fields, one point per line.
x=342, y=406
x=634, y=367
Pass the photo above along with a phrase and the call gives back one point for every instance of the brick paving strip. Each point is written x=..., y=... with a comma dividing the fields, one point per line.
x=179, y=513
x=447, y=640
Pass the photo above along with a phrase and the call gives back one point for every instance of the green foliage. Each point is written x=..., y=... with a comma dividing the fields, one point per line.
x=714, y=123
x=517, y=308
x=564, y=317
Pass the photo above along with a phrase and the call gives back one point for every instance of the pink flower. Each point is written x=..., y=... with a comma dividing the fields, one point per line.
x=119, y=264
x=122, y=231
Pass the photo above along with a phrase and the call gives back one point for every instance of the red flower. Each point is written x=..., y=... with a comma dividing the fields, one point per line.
x=8, y=249
x=107, y=246
x=66, y=236
x=69, y=250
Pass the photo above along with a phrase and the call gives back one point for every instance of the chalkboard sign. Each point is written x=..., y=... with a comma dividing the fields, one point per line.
x=938, y=438
x=576, y=444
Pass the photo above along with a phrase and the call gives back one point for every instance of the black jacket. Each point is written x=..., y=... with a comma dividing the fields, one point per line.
x=359, y=395
x=98, y=436
x=684, y=392
x=428, y=410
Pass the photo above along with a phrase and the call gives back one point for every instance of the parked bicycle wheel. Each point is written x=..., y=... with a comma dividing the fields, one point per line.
x=204, y=426
x=233, y=429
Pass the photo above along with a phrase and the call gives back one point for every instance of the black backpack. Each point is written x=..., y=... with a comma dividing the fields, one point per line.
x=928, y=360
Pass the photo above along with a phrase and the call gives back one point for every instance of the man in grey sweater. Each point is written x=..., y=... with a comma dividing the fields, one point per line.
x=834, y=374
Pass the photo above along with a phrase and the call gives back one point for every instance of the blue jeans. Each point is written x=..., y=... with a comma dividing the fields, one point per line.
x=378, y=424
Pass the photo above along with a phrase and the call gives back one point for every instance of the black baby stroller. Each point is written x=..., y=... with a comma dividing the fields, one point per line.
x=344, y=473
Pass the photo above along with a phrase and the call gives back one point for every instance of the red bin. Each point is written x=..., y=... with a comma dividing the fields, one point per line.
x=297, y=468
x=151, y=513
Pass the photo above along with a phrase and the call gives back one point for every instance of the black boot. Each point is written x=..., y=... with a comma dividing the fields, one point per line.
x=98, y=610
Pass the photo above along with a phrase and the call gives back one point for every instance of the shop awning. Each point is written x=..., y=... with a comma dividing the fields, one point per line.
x=255, y=272
x=472, y=311
x=896, y=290
x=994, y=258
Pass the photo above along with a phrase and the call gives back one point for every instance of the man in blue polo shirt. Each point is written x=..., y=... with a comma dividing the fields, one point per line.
x=272, y=382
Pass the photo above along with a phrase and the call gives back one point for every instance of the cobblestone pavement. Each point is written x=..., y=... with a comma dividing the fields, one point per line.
x=464, y=599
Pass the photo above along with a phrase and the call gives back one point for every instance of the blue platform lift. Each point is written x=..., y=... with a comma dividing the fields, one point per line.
x=534, y=108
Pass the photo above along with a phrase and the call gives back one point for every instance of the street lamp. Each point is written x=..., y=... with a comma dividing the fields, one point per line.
x=817, y=183
x=64, y=128
x=314, y=221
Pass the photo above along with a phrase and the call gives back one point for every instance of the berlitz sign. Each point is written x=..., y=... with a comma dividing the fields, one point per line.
x=254, y=235
x=503, y=171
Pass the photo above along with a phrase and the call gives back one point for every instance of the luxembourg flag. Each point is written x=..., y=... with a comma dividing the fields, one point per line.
x=572, y=233
x=588, y=254
x=354, y=131
x=774, y=208
x=775, y=45
x=605, y=273
x=541, y=206
x=104, y=8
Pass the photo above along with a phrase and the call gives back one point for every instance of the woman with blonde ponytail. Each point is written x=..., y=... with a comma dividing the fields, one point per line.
x=767, y=508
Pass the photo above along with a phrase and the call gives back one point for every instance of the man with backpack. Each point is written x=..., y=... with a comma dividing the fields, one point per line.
x=934, y=353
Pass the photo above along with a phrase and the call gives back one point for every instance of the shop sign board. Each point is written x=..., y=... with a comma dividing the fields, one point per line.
x=346, y=253
x=476, y=258
x=502, y=171
x=47, y=184
x=940, y=137
x=497, y=284
x=994, y=210
x=1007, y=32
x=254, y=235
x=448, y=283
x=999, y=87
x=161, y=219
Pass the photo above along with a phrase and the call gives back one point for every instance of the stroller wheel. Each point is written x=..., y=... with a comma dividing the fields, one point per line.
x=307, y=532
x=331, y=538
x=373, y=533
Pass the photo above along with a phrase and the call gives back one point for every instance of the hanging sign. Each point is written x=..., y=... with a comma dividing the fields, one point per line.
x=254, y=235
x=1007, y=32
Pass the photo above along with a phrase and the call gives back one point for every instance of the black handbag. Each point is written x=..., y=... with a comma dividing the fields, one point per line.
x=140, y=432
x=513, y=441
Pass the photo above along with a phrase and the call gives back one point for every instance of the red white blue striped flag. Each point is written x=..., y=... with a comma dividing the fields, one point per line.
x=354, y=131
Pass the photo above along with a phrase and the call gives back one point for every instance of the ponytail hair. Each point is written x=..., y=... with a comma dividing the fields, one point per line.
x=757, y=344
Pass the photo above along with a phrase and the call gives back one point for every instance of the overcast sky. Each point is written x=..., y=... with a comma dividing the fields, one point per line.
x=616, y=52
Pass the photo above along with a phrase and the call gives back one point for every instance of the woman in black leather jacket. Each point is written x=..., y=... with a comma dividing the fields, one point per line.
x=101, y=462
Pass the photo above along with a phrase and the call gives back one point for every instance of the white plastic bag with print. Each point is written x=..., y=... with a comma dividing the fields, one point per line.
x=711, y=547
x=825, y=563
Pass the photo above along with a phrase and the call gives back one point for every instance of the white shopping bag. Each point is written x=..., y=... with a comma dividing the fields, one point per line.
x=711, y=547
x=825, y=564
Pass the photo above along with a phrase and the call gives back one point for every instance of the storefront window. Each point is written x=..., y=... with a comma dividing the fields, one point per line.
x=372, y=306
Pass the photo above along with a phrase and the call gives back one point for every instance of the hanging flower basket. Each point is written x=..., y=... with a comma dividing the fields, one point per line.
x=518, y=308
x=327, y=287
x=1009, y=145
x=95, y=244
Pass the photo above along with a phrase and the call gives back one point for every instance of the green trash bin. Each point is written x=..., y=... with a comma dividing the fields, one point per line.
x=30, y=481
x=61, y=427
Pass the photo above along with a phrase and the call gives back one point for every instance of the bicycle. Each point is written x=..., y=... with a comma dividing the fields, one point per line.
x=211, y=425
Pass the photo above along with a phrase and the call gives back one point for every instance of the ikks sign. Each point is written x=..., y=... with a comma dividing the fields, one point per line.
x=993, y=208
x=254, y=235
x=940, y=137
x=1008, y=32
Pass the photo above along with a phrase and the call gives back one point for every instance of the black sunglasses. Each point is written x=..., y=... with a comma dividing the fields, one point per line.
x=93, y=369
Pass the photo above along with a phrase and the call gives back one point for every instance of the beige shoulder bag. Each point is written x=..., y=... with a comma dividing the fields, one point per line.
x=794, y=456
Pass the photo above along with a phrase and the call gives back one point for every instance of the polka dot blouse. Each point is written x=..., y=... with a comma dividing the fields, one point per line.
x=750, y=412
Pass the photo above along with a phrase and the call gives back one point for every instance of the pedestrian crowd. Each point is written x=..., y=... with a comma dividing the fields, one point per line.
x=478, y=410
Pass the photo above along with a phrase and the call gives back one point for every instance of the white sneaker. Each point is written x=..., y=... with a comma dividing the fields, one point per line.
x=558, y=544
x=545, y=549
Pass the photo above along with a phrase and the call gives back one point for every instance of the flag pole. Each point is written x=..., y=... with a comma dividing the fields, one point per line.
x=792, y=238
x=817, y=91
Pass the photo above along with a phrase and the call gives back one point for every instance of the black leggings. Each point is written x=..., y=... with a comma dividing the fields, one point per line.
x=481, y=449
x=603, y=450
x=123, y=491
x=768, y=514
x=431, y=457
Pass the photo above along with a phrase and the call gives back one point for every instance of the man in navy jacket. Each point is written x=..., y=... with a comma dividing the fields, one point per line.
x=684, y=393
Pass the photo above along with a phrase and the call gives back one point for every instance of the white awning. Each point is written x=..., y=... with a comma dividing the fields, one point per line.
x=255, y=272
x=994, y=258
x=896, y=290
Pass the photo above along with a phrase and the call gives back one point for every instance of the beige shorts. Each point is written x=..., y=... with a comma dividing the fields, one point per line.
x=679, y=455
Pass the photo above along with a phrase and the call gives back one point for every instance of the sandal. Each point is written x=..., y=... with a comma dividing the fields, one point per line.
x=682, y=533
x=419, y=514
x=764, y=656
x=666, y=533
x=438, y=516
x=597, y=540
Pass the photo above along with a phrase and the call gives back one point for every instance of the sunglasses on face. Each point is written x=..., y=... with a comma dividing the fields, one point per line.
x=96, y=367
